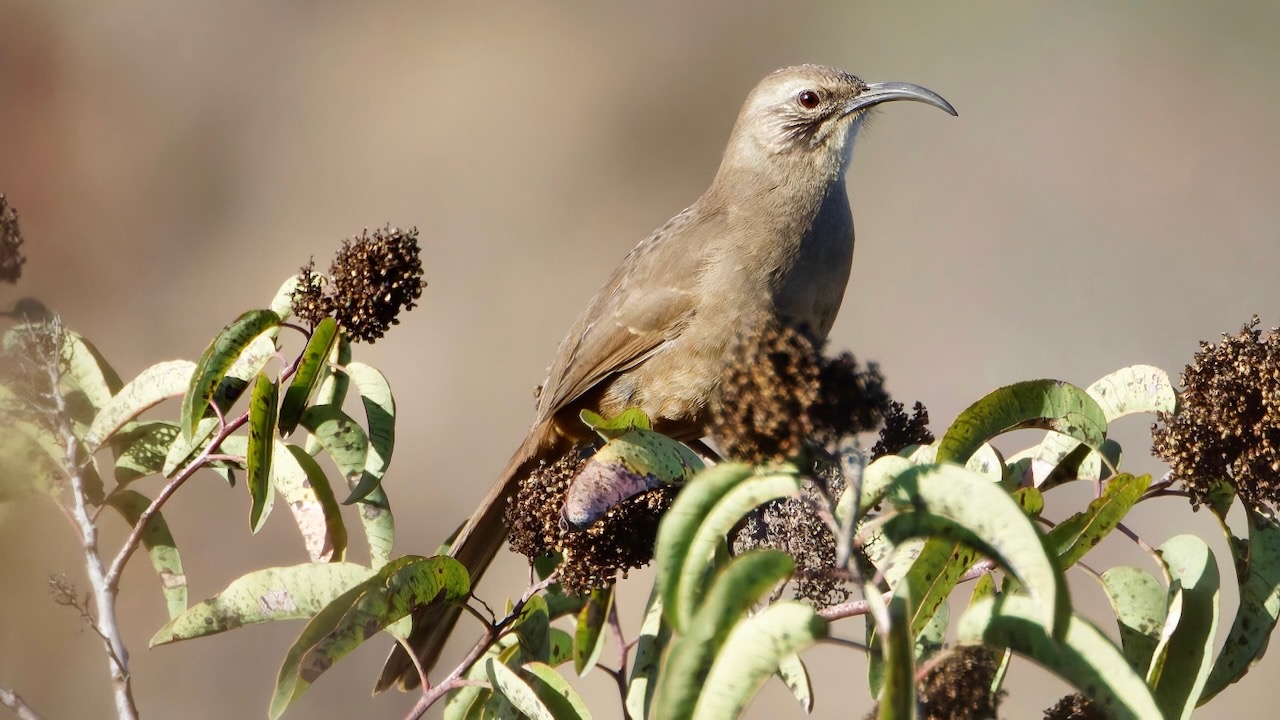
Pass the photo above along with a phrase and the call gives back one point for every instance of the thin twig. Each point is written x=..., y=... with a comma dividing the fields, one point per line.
x=104, y=594
x=624, y=650
x=135, y=536
x=492, y=632
x=14, y=702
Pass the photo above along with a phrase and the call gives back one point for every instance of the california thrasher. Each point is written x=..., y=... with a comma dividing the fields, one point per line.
x=771, y=239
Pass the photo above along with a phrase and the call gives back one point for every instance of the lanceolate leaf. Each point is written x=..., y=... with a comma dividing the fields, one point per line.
x=314, y=358
x=159, y=544
x=752, y=653
x=345, y=623
x=1131, y=390
x=88, y=381
x=152, y=386
x=735, y=589
x=1188, y=655
x=1083, y=657
x=304, y=486
x=380, y=412
x=655, y=632
x=333, y=384
x=279, y=593
x=349, y=447
x=678, y=527
x=522, y=697
x=556, y=694
x=1258, y=572
x=898, y=697
x=1080, y=533
x=709, y=532
x=795, y=676
x=141, y=451
x=1047, y=404
x=218, y=359
x=1139, y=602
x=588, y=640
x=262, y=433
x=951, y=503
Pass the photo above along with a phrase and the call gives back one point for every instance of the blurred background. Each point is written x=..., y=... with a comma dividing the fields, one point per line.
x=1107, y=196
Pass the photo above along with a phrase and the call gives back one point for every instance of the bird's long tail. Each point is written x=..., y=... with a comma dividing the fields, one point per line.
x=475, y=547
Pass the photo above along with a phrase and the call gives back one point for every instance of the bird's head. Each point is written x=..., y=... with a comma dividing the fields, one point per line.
x=813, y=111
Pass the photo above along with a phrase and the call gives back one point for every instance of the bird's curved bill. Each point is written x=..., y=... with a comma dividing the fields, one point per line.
x=877, y=93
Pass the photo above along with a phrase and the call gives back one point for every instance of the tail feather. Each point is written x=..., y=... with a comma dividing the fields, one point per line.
x=475, y=547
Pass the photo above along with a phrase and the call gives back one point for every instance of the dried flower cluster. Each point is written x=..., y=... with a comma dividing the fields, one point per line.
x=11, y=258
x=780, y=397
x=791, y=525
x=1075, y=707
x=372, y=280
x=901, y=431
x=1227, y=426
x=958, y=686
x=621, y=540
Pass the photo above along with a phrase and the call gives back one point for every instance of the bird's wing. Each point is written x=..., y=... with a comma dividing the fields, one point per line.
x=647, y=301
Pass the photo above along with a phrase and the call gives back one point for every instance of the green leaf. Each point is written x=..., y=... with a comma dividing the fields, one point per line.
x=698, y=521
x=752, y=652
x=623, y=423
x=533, y=628
x=262, y=432
x=159, y=545
x=795, y=676
x=733, y=591
x=627, y=465
x=350, y=449
x=678, y=527
x=1047, y=404
x=88, y=380
x=1139, y=602
x=332, y=389
x=30, y=464
x=1188, y=654
x=347, y=621
x=522, y=697
x=380, y=414
x=141, y=451
x=304, y=486
x=1080, y=533
x=1258, y=572
x=278, y=593
x=948, y=502
x=655, y=633
x=314, y=358
x=1083, y=657
x=1128, y=391
x=556, y=694
x=588, y=640
x=218, y=360
x=151, y=387
x=282, y=303
x=898, y=696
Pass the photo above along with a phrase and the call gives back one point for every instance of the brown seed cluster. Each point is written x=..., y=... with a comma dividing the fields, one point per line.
x=372, y=280
x=957, y=686
x=11, y=258
x=621, y=540
x=1076, y=707
x=780, y=398
x=791, y=525
x=1227, y=425
x=901, y=431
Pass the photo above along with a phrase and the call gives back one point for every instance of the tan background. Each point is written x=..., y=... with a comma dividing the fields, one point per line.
x=1107, y=196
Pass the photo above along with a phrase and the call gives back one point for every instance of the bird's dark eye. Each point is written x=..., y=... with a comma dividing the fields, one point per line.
x=808, y=99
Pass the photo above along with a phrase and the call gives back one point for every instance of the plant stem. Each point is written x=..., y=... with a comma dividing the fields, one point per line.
x=14, y=702
x=104, y=594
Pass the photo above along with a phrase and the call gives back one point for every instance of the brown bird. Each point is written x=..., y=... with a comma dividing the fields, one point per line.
x=771, y=239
